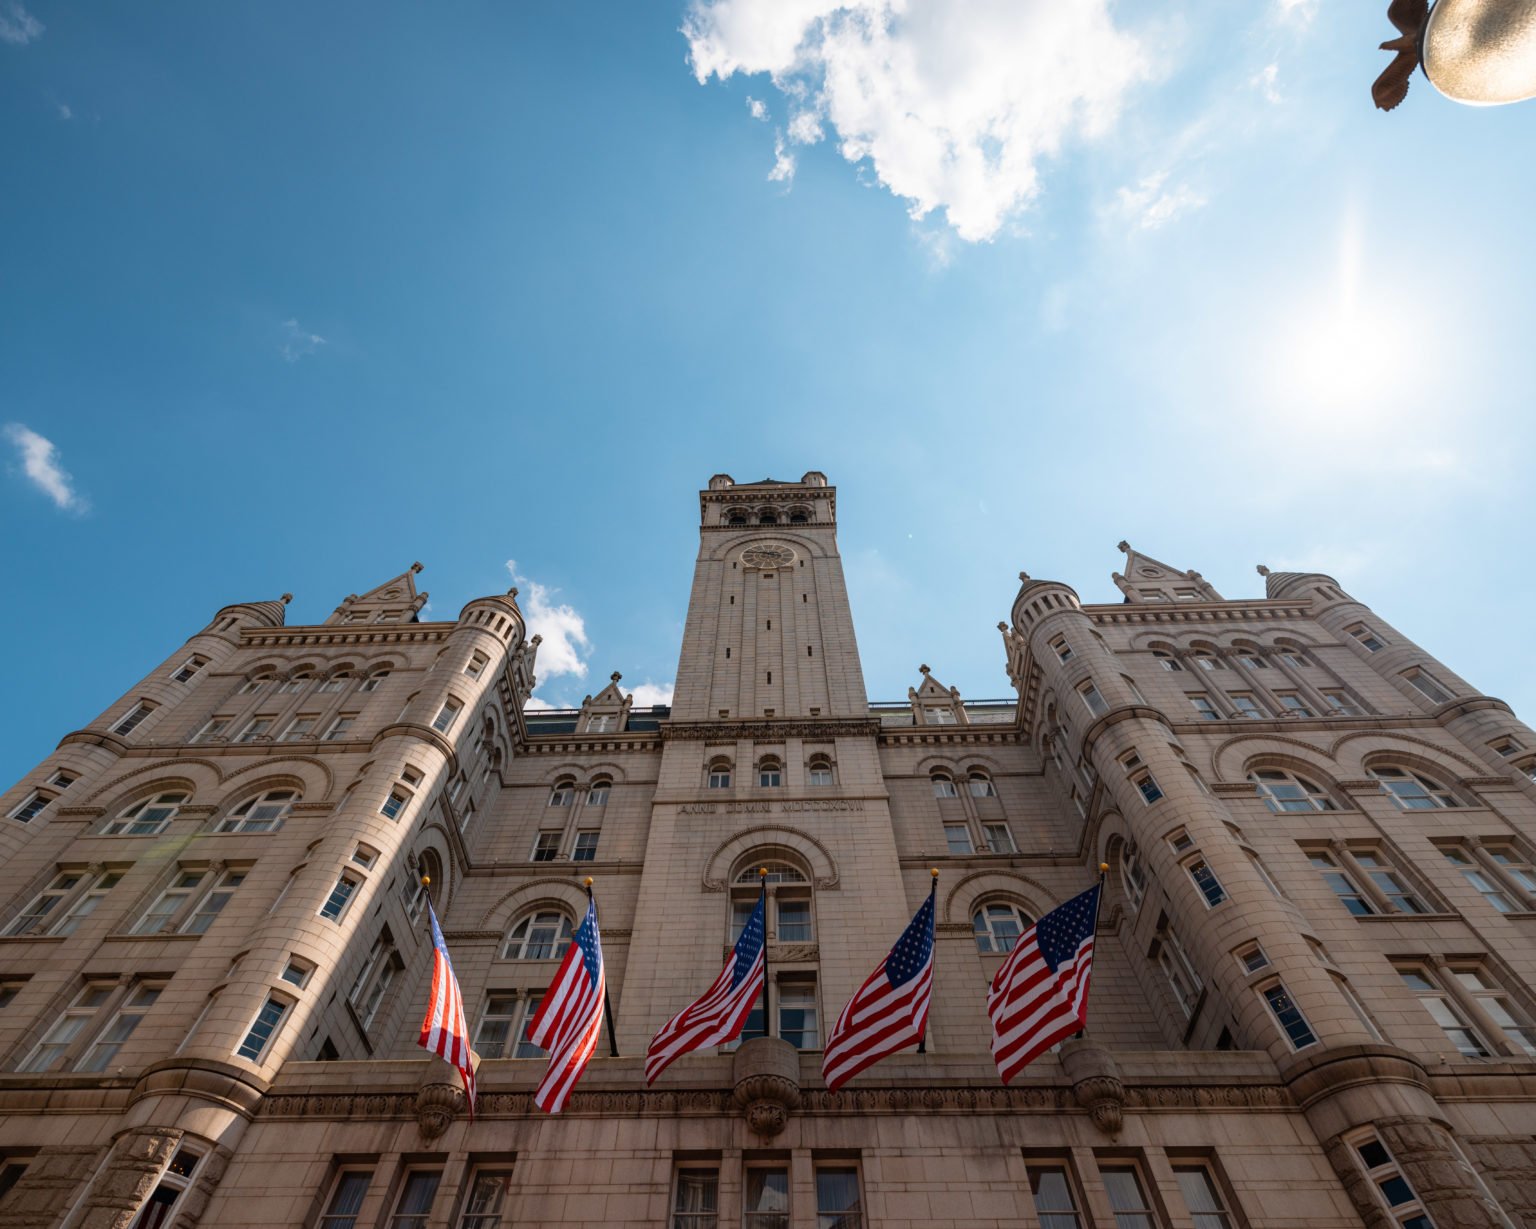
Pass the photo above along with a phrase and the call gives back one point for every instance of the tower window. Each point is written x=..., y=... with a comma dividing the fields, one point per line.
x=1372, y=642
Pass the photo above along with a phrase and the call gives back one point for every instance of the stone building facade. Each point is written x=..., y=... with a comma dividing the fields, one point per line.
x=1312, y=1002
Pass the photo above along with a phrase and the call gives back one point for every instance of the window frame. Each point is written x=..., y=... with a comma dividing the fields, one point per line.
x=123, y=823
x=76, y=1009
x=333, y=1218
x=133, y=718
x=982, y=927
x=239, y=818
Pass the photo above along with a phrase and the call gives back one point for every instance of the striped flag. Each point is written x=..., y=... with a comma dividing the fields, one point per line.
x=1040, y=995
x=719, y=1015
x=443, y=1029
x=890, y=1010
x=570, y=1017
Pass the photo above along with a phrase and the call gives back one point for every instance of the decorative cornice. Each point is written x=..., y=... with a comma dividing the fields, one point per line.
x=319, y=637
x=767, y=729
x=914, y=735
x=1195, y=612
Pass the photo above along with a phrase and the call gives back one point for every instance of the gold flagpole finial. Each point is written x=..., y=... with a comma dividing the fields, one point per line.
x=426, y=881
x=1103, y=868
x=762, y=872
x=587, y=881
x=934, y=871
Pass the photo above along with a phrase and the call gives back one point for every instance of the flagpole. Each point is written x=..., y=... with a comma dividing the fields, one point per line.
x=933, y=895
x=762, y=877
x=1098, y=907
x=613, y=1038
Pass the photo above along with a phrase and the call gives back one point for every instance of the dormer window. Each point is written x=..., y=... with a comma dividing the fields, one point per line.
x=939, y=715
x=602, y=723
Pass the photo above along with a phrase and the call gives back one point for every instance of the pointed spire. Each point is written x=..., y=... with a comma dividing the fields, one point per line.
x=1151, y=580
x=395, y=601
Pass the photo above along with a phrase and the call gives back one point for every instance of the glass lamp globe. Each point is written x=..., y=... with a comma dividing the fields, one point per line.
x=1482, y=52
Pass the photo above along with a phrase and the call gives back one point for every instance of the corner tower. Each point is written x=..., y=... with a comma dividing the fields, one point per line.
x=769, y=631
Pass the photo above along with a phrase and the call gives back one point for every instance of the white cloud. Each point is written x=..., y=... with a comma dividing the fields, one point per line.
x=1295, y=12
x=40, y=462
x=17, y=26
x=1264, y=82
x=783, y=162
x=565, y=646
x=758, y=108
x=535, y=703
x=1149, y=206
x=953, y=106
x=65, y=111
x=649, y=693
x=299, y=341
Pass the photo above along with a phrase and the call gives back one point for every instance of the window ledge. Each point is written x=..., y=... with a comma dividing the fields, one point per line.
x=33, y=938
x=1413, y=917
x=121, y=937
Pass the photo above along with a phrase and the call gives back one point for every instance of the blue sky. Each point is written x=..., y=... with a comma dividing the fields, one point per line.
x=296, y=294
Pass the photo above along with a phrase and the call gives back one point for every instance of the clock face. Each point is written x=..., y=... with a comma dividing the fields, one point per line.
x=767, y=556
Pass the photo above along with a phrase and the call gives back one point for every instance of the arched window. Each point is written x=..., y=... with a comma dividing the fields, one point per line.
x=256, y=684
x=798, y=517
x=998, y=926
x=564, y=793
x=597, y=796
x=820, y=772
x=767, y=517
x=261, y=813
x=539, y=936
x=336, y=682
x=417, y=893
x=1413, y=791
x=736, y=516
x=371, y=683
x=298, y=682
x=1166, y=660
x=944, y=786
x=147, y=816
x=789, y=901
x=769, y=774
x=1284, y=791
x=720, y=775
x=981, y=785
x=1133, y=875
x=1206, y=660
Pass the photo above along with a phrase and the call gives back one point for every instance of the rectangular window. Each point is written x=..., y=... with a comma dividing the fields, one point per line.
x=103, y=1051
x=490, y=1190
x=1246, y=705
x=86, y=905
x=939, y=716
x=601, y=724
x=1055, y=1199
x=254, y=729
x=1062, y=648
x=300, y=728
x=546, y=848
x=1147, y=784
x=1514, y=864
x=188, y=668
x=1092, y=700
x=1202, y=1196
x=495, y=1029
x=1128, y=1197
x=765, y=1202
x=477, y=664
x=696, y=1201
x=71, y=1024
x=1389, y=882
x=336, y=903
x=1505, y=747
x=35, y=918
x=1340, y=704
x=1427, y=686
x=1498, y=1007
x=339, y=728
x=394, y=804
x=794, y=919
x=346, y=1199
x=585, y=849
x=446, y=716
x=416, y=1196
x=1372, y=642
x=1443, y=1011
x=1205, y=706
x=797, y=1014
x=1391, y=1187
x=133, y=717
x=213, y=902
x=374, y=979
x=1252, y=958
x=1293, y=704
x=999, y=838
x=263, y=1027
x=958, y=838
x=160, y=917
x=1341, y=885
x=838, y=1205
x=1205, y=879
x=1179, y=970
x=1289, y=1016
x=31, y=807
x=216, y=727
x=296, y=972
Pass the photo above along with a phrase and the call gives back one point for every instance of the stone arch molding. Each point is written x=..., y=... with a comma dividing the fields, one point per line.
x=1257, y=745
x=823, y=866
x=550, y=890
x=1432, y=756
x=179, y=771
x=971, y=888
x=958, y=761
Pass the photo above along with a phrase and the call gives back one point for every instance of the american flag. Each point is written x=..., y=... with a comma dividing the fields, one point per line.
x=718, y=1016
x=1040, y=995
x=890, y=1010
x=570, y=1017
x=443, y=1029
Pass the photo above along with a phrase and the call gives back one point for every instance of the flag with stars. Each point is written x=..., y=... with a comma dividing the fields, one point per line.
x=890, y=1010
x=570, y=1017
x=1040, y=995
x=443, y=1030
x=719, y=1014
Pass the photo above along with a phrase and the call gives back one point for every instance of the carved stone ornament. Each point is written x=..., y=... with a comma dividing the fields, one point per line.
x=766, y=1073
x=437, y=1105
x=768, y=555
x=1096, y=1085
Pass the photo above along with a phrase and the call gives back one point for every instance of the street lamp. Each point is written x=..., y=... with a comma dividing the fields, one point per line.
x=1481, y=52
